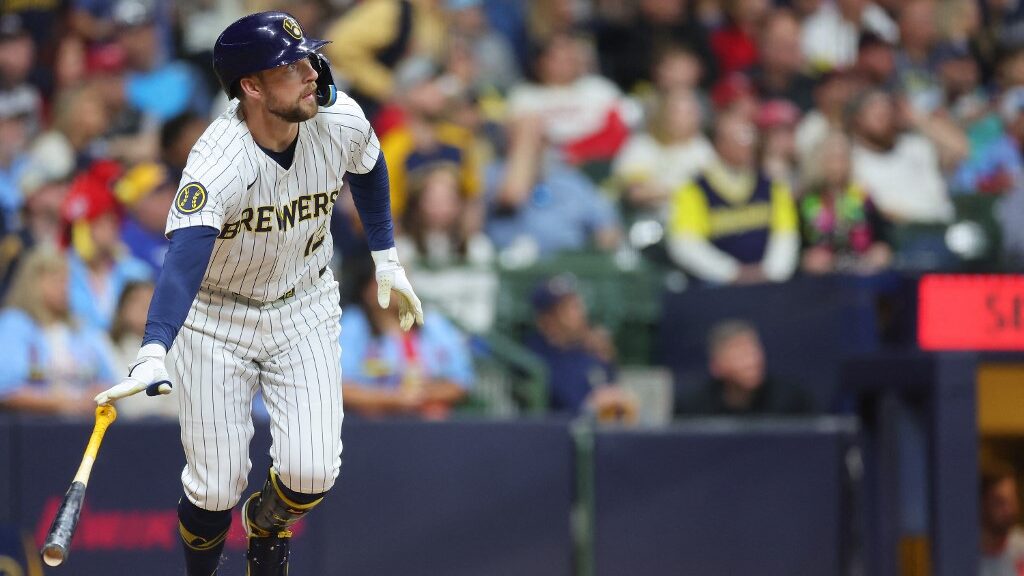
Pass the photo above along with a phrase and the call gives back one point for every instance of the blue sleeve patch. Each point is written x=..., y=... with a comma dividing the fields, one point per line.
x=191, y=198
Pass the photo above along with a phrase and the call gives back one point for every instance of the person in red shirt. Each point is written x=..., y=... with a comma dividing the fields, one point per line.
x=735, y=44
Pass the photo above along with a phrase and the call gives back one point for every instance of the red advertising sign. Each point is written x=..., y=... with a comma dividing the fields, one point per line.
x=959, y=312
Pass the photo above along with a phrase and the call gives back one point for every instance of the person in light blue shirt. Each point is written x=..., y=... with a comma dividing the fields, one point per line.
x=17, y=107
x=561, y=210
x=99, y=264
x=50, y=364
x=386, y=371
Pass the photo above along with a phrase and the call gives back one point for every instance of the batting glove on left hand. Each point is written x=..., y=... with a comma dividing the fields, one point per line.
x=390, y=274
x=146, y=373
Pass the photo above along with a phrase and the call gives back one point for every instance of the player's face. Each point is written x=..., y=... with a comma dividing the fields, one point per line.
x=290, y=91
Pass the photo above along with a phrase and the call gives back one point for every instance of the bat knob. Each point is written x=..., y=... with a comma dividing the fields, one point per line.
x=158, y=388
x=53, y=554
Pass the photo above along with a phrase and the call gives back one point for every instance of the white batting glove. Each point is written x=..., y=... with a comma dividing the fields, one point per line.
x=391, y=275
x=146, y=373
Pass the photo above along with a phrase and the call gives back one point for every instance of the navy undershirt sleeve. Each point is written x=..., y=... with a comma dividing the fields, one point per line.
x=184, y=266
x=371, y=193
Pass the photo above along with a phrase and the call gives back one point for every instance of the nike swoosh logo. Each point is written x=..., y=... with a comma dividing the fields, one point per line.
x=249, y=187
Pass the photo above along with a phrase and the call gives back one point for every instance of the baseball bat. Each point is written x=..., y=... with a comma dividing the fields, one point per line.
x=58, y=539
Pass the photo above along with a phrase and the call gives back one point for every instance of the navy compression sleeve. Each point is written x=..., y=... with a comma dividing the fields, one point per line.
x=371, y=193
x=184, y=266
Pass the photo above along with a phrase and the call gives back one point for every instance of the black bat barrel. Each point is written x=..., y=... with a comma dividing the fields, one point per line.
x=58, y=539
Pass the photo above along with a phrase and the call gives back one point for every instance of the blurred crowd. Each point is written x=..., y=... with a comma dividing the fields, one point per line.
x=737, y=141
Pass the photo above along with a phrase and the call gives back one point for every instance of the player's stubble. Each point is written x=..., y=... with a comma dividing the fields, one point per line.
x=299, y=111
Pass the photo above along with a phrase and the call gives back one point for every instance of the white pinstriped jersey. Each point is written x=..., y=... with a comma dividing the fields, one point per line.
x=274, y=223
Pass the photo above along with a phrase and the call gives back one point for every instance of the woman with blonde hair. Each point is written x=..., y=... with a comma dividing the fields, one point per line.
x=51, y=365
x=841, y=228
x=654, y=164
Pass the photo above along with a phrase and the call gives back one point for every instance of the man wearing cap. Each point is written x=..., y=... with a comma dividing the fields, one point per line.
x=580, y=358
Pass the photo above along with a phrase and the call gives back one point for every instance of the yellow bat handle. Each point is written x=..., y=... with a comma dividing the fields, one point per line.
x=105, y=416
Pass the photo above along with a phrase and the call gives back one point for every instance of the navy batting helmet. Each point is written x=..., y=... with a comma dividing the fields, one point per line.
x=266, y=40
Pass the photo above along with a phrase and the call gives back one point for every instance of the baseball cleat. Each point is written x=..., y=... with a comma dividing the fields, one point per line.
x=267, y=554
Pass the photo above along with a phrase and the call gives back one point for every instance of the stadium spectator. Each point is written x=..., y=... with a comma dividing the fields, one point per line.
x=735, y=95
x=735, y=43
x=1011, y=206
x=52, y=365
x=538, y=205
x=369, y=40
x=831, y=98
x=423, y=134
x=43, y=189
x=146, y=191
x=199, y=24
x=993, y=165
x=131, y=135
x=1002, y=26
x=917, y=60
x=671, y=152
x=739, y=384
x=779, y=73
x=546, y=19
x=627, y=47
x=15, y=117
x=17, y=63
x=98, y=21
x=99, y=264
x=831, y=34
x=1002, y=538
x=177, y=136
x=496, y=65
x=803, y=9
x=876, y=62
x=677, y=67
x=426, y=371
x=79, y=118
x=901, y=170
x=841, y=230
x=443, y=253
x=776, y=122
x=125, y=337
x=580, y=357
x=158, y=86
x=582, y=113
x=733, y=224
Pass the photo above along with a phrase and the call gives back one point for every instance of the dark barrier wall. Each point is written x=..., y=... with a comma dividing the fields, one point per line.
x=808, y=327
x=467, y=499
x=712, y=500
x=7, y=476
x=129, y=521
x=458, y=499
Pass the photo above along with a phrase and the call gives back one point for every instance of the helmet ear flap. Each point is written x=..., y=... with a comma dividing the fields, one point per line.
x=326, y=91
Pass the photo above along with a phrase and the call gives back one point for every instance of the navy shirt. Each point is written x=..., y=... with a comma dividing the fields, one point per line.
x=572, y=373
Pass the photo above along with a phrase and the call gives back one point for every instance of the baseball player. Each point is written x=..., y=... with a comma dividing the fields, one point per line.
x=246, y=300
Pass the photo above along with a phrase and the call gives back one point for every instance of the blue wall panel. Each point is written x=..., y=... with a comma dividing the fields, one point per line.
x=709, y=501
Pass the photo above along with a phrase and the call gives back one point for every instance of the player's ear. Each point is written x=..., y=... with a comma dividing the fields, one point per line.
x=250, y=86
